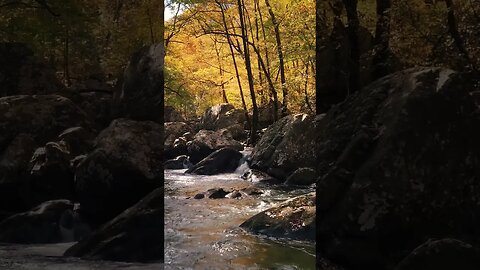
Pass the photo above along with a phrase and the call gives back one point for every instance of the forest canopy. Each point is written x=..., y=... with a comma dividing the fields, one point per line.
x=206, y=58
x=80, y=38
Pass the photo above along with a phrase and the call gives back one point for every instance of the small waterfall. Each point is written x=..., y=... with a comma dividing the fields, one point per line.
x=243, y=164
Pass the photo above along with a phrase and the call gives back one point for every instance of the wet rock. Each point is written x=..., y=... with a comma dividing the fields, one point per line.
x=125, y=165
x=180, y=162
x=442, y=255
x=225, y=160
x=302, y=176
x=395, y=161
x=39, y=225
x=294, y=218
x=234, y=194
x=222, y=116
x=216, y=193
x=199, y=196
x=287, y=145
x=141, y=94
x=132, y=236
x=257, y=176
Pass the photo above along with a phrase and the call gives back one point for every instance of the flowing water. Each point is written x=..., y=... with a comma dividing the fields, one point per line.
x=205, y=233
x=49, y=257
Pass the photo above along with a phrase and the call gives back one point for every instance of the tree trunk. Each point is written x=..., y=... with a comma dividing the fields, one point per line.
x=230, y=45
x=248, y=67
x=280, y=58
x=222, y=83
x=453, y=29
x=353, y=24
x=381, y=64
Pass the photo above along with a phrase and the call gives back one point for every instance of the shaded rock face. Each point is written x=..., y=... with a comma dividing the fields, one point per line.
x=206, y=142
x=222, y=116
x=394, y=162
x=141, y=94
x=42, y=224
x=442, y=255
x=125, y=165
x=174, y=131
x=51, y=176
x=97, y=105
x=135, y=235
x=225, y=160
x=180, y=162
x=172, y=115
x=27, y=122
x=302, y=176
x=294, y=218
x=266, y=114
x=22, y=74
x=287, y=145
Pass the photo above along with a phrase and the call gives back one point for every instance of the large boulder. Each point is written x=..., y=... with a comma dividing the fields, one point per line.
x=125, y=165
x=21, y=73
x=266, y=113
x=174, y=140
x=140, y=96
x=41, y=224
x=286, y=145
x=206, y=142
x=225, y=160
x=443, y=254
x=294, y=218
x=398, y=163
x=222, y=116
x=134, y=235
x=28, y=122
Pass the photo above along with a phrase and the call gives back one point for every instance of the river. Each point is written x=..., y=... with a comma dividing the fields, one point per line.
x=205, y=233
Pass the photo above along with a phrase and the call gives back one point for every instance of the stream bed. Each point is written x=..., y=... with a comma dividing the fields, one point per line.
x=205, y=233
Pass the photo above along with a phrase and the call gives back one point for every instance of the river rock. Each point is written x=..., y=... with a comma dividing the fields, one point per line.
x=135, y=235
x=222, y=116
x=398, y=163
x=39, y=225
x=125, y=165
x=180, y=162
x=442, y=254
x=206, y=142
x=301, y=177
x=140, y=96
x=294, y=218
x=225, y=160
x=216, y=193
x=287, y=145
x=21, y=73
